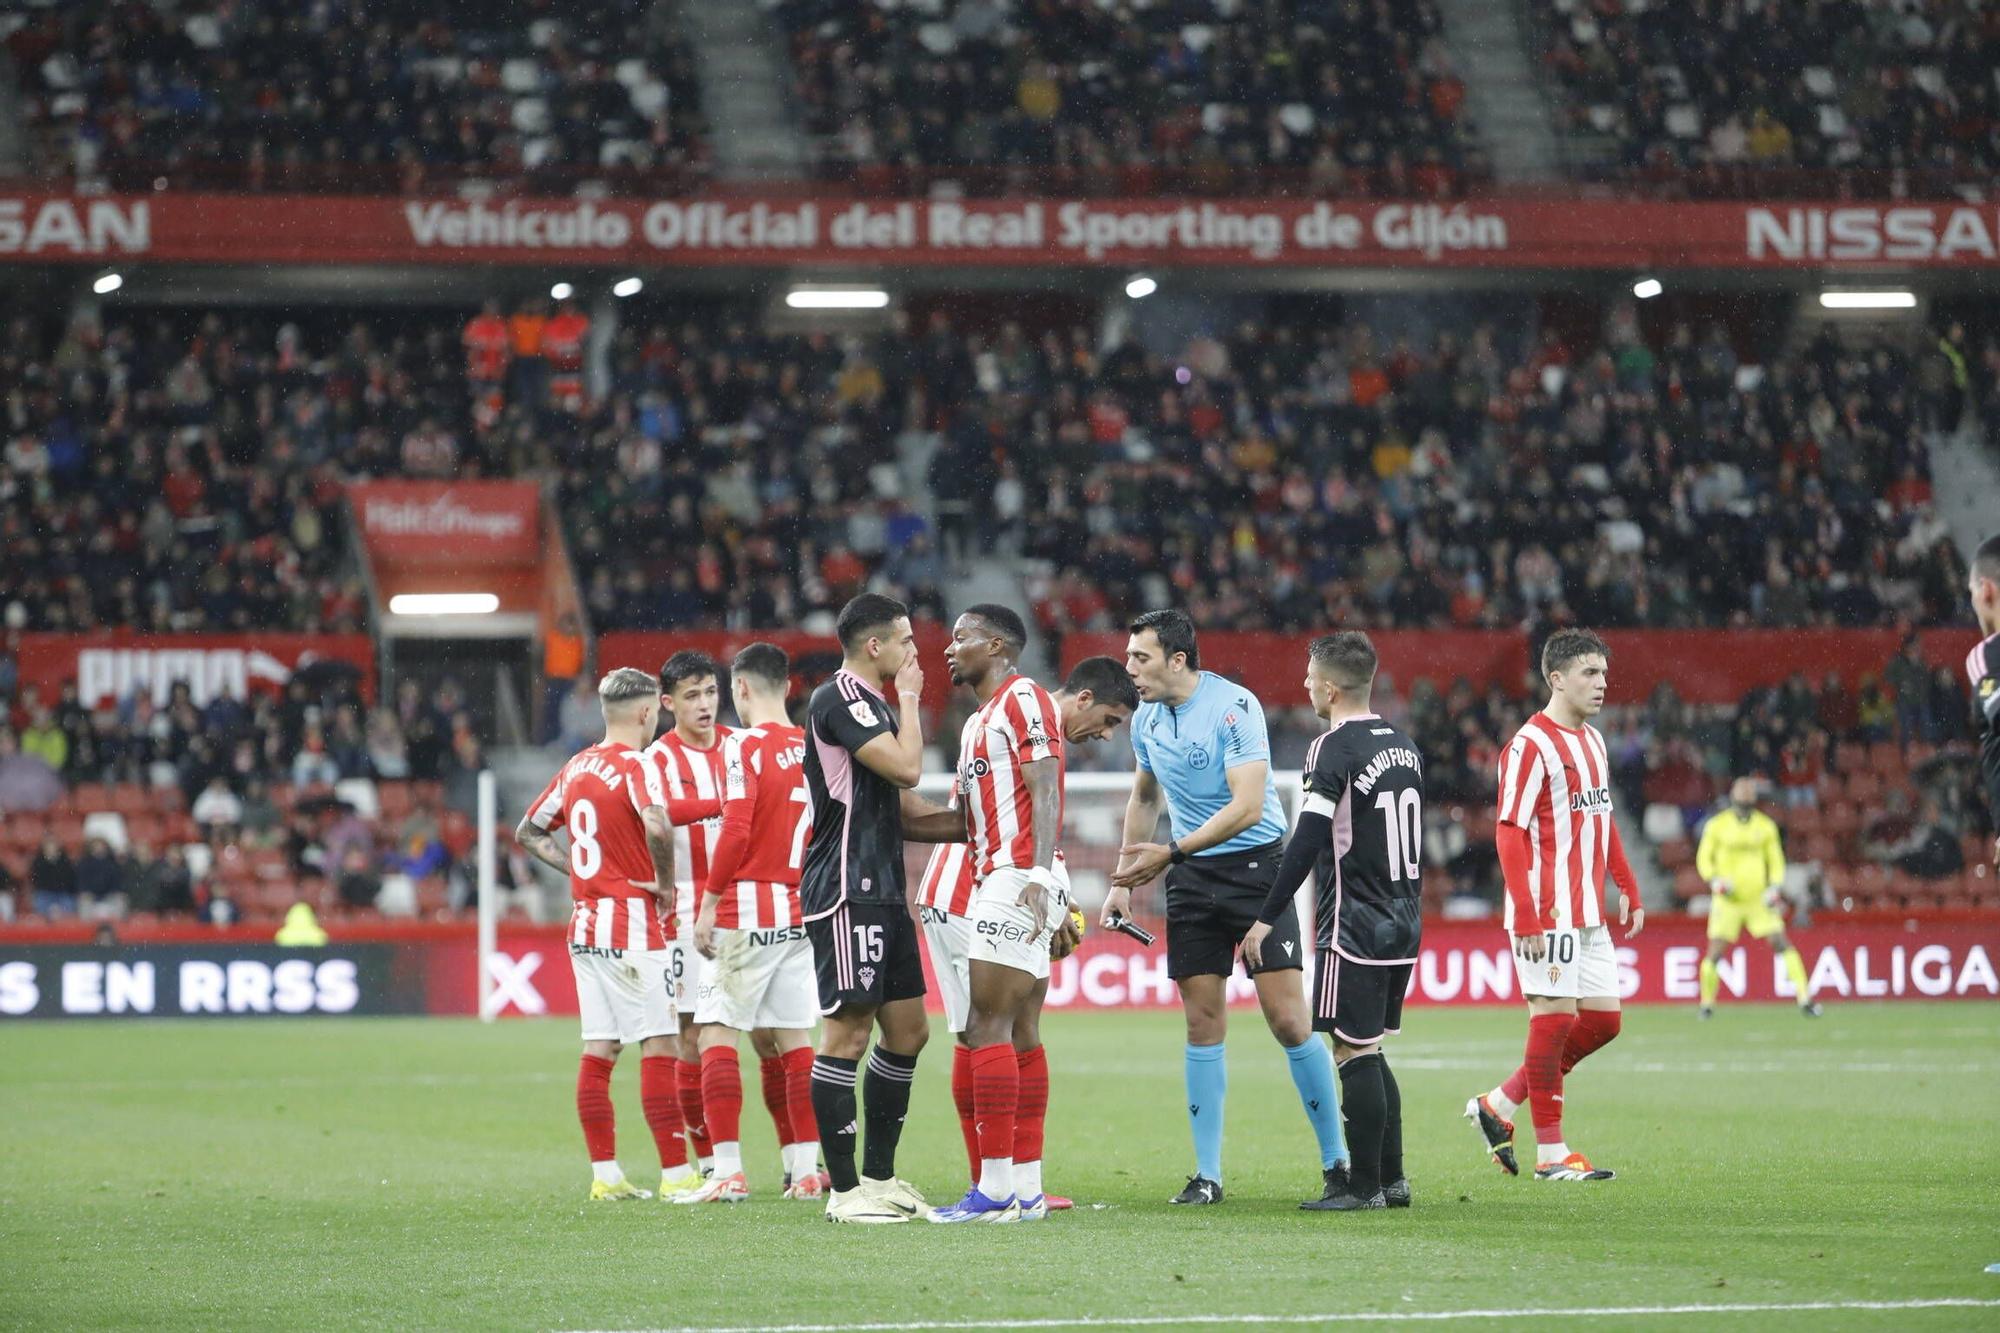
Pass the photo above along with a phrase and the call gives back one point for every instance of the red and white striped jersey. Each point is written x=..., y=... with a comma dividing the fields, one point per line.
x=766, y=823
x=948, y=879
x=1018, y=725
x=689, y=773
x=597, y=797
x=1556, y=784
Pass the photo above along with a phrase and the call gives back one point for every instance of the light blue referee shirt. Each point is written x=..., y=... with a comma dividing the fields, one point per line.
x=1190, y=750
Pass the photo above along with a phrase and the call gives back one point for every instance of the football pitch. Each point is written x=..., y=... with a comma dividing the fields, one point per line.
x=430, y=1174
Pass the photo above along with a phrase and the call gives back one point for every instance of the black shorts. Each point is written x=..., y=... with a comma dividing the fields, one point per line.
x=1359, y=1003
x=1212, y=901
x=866, y=955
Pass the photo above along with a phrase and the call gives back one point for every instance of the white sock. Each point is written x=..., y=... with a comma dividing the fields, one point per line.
x=728, y=1159
x=996, y=1178
x=803, y=1159
x=1028, y=1181
x=1501, y=1104
x=1547, y=1153
x=607, y=1173
x=706, y=1164
x=676, y=1173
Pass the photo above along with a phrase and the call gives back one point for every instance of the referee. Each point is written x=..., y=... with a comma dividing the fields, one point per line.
x=1204, y=755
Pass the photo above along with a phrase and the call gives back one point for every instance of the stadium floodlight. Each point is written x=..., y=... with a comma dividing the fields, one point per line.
x=444, y=604
x=562, y=291
x=108, y=283
x=629, y=287
x=1140, y=286
x=1882, y=300
x=1647, y=288
x=836, y=298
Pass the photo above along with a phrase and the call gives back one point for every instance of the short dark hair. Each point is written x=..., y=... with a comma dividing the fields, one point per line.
x=1566, y=645
x=1004, y=619
x=869, y=612
x=1175, y=632
x=1107, y=681
x=1986, y=560
x=1348, y=657
x=685, y=665
x=765, y=663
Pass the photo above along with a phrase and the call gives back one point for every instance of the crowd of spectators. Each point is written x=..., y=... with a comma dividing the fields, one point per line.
x=1739, y=96
x=359, y=95
x=1203, y=96
x=1298, y=475
x=257, y=787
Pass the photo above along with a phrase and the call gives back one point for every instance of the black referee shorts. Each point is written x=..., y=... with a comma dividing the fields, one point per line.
x=866, y=955
x=1212, y=901
x=1359, y=1003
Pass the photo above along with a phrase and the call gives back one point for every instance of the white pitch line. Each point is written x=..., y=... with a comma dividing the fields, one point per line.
x=1349, y=1317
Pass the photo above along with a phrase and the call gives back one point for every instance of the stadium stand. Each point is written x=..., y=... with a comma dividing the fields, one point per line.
x=1357, y=97
x=1291, y=476
x=388, y=96
x=1738, y=98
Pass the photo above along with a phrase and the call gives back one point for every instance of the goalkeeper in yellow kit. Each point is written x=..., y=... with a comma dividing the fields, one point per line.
x=1744, y=863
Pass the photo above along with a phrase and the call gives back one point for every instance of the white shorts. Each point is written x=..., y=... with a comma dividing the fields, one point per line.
x=1004, y=932
x=757, y=979
x=623, y=994
x=950, y=939
x=683, y=972
x=1576, y=964
x=687, y=963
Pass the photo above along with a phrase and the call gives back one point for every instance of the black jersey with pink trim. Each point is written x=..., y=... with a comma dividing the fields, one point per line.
x=1983, y=667
x=856, y=851
x=1366, y=776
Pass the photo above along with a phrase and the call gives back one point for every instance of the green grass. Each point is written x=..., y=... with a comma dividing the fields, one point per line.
x=429, y=1173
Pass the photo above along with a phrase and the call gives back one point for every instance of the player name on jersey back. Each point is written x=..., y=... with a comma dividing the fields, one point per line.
x=1368, y=778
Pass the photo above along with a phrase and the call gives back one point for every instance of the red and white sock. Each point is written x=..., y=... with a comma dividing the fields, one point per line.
x=687, y=1079
x=1030, y=1112
x=594, y=1113
x=722, y=1107
x=961, y=1096
x=996, y=1091
x=1510, y=1096
x=798, y=1098
x=1547, y=1035
x=662, y=1103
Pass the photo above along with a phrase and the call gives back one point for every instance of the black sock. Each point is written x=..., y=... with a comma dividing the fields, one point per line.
x=1363, y=1103
x=885, y=1100
x=833, y=1107
x=1392, y=1125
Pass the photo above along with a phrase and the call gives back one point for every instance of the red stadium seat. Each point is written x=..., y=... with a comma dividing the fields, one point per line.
x=90, y=797
x=1885, y=756
x=1865, y=790
x=1675, y=855
x=1689, y=885
x=1804, y=822
x=169, y=800
x=129, y=799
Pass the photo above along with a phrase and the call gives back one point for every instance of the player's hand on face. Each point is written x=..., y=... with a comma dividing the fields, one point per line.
x=1631, y=915
x=910, y=677
x=1253, y=943
x=1530, y=947
x=1140, y=863
x=1117, y=903
x=704, y=930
